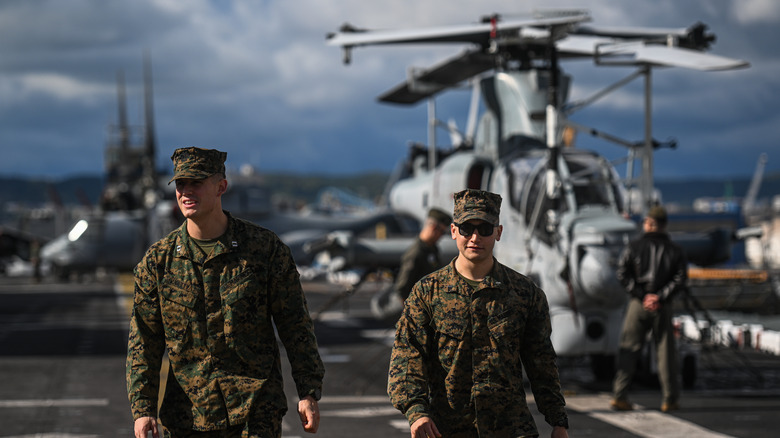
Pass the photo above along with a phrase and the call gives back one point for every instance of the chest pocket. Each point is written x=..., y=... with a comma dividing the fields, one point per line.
x=506, y=329
x=450, y=321
x=507, y=326
x=245, y=307
x=179, y=313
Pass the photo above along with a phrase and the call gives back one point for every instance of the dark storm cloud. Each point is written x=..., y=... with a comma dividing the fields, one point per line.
x=257, y=79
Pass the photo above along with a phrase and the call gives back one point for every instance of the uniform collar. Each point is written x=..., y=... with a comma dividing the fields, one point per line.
x=495, y=279
x=227, y=243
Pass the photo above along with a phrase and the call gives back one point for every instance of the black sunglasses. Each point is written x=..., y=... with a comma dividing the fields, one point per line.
x=484, y=229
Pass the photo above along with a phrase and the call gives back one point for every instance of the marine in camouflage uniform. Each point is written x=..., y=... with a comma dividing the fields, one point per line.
x=462, y=344
x=214, y=311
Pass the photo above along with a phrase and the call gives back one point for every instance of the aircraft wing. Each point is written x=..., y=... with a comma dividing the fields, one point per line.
x=360, y=252
x=470, y=33
x=17, y=242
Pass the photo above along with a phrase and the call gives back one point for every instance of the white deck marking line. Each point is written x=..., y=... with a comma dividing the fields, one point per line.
x=329, y=399
x=401, y=425
x=361, y=412
x=326, y=405
x=54, y=435
x=645, y=423
x=47, y=403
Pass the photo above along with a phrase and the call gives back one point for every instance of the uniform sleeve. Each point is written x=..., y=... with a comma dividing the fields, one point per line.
x=146, y=345
x=539, y=359
x=294, y=324
x=405, y=279
x=407, y=376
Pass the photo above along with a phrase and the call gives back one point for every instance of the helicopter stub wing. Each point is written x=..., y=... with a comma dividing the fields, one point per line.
x=471, y=33
x=426, y=83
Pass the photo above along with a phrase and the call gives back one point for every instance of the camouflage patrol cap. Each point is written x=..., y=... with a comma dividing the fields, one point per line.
x=477, y=204
x=440, y=216
x=197, y=163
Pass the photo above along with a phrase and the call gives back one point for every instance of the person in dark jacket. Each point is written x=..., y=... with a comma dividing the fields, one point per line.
x=652, y=269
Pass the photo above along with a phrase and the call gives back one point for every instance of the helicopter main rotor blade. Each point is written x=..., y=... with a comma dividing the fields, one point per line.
x=470, y=33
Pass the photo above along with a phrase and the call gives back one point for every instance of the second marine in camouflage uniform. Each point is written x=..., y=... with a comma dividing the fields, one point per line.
x=460, y=351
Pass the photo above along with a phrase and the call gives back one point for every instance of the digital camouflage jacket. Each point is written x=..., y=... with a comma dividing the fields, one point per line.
x=215, y=315
x=459, y=354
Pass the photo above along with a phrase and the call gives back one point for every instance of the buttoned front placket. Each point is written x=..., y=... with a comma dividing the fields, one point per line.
x=215, y=319
x=211, y=368
x=481, y=357
x=191, y=364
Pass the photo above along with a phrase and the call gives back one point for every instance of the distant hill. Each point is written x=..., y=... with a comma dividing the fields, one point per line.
x=36, y=192
x=684, y=191
x=82, y=189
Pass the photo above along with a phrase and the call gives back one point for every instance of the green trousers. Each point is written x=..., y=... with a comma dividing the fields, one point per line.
x=636, y=325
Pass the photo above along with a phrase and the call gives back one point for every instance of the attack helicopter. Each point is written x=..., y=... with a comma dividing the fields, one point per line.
x=566, y=210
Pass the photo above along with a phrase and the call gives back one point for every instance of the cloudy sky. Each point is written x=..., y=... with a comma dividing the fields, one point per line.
x=255, y=78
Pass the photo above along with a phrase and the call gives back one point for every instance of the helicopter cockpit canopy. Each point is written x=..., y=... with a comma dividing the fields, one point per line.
x=587, y=181
x=594, y=182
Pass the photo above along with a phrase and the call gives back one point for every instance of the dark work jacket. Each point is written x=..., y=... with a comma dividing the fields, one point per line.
x=653, y=264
